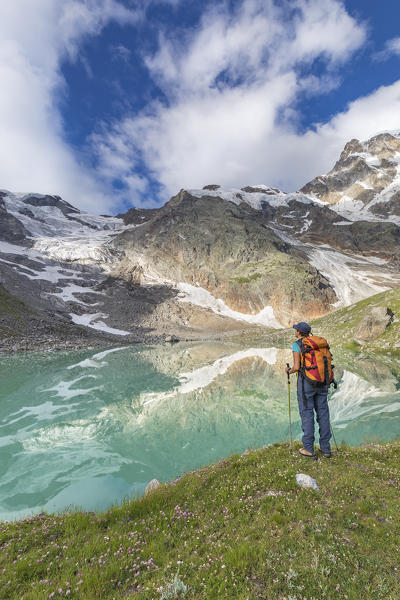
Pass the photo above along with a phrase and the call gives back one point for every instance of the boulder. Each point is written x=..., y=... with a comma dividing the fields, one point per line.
x=153, y=485
x=172, y=339
x=373, y=324
x=306, y=482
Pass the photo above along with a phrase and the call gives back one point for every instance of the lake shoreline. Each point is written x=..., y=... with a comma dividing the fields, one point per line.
x=77, y=338
x=237, y=528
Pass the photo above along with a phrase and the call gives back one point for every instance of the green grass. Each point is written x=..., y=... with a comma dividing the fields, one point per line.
x=340, y=326
x=248, y=279
x=239, y=529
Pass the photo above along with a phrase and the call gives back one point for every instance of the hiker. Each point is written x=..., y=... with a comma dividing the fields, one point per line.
x=312, y=361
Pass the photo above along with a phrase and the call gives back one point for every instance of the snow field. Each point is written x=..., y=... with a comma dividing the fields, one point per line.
x=201, y=297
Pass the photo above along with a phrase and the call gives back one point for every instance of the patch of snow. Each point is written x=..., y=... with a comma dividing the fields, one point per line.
x=364, y=185
x=347, y=204
x=17, y=267
x=88, y=250
x=371, y=159
x=8, y=248
x=262, y=186
x=355, y=210
x=253, y=199
x=306, y=224
x=68, y=293
x=52, y=273
x=202, y=297
x=352, y=277
x=87, y=320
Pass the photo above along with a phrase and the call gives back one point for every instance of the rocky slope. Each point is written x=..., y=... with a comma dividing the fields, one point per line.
x=55, y=272
x=209, y=261
x=209, y=244
x=364, y=184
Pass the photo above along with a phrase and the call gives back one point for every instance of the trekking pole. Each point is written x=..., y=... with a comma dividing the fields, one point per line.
x=290, y=417
x=331, y=428
x=333, y=435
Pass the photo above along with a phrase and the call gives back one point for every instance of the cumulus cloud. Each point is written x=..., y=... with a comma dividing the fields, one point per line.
x=231, y=89
x=296, y=159
x=34, y=38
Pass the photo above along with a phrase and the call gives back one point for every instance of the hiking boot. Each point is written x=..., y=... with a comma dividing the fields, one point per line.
x=325, y=454
x=307, y=454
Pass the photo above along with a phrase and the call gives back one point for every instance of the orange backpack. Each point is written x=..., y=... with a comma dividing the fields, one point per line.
x=316, y=360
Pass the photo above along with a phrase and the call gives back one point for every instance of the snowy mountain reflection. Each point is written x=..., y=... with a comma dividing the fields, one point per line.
x=88, y=428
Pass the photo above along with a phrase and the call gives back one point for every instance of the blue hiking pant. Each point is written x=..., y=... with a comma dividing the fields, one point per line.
x=314, y=398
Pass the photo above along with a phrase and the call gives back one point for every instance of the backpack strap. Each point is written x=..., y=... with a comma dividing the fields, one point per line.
x=302, y=369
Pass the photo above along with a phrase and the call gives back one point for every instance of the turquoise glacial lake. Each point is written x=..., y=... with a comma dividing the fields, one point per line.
x=90, y=428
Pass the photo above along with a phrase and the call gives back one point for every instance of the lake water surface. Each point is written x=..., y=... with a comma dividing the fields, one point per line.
x=89, y=428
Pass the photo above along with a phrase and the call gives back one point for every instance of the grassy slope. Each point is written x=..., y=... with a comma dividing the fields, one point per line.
x=339, y=326
x=238, y=529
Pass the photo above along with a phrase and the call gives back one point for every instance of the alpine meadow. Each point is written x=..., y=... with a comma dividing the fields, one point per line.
x=199, y=300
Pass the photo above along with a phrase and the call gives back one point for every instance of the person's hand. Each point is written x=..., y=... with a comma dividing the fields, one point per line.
x=287, y=369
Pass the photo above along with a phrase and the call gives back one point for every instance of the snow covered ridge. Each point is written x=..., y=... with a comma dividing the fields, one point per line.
x=63, y=233
x=254, y=199
x=50, y=216
x=348, y=207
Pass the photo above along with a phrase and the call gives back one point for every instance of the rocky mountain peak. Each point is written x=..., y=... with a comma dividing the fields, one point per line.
x=212, y=258
x=384, y=145
x=350, y=148
x=365, y=181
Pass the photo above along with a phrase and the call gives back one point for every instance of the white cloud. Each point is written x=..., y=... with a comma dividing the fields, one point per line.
x=296, y=159
x=392, y=48
x=34, y=38
x=232, y=86
x=232, y=90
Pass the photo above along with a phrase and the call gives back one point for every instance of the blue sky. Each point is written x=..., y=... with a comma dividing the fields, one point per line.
x=118, y=103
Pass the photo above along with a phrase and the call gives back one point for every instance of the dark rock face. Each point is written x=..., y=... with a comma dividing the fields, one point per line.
x=55, y=201
x=211, y=187
x=388, y=208
x=261, y=190
x=11, y=230
x=137, y=216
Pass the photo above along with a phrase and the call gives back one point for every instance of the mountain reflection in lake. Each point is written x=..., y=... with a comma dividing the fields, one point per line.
x=90, y=428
